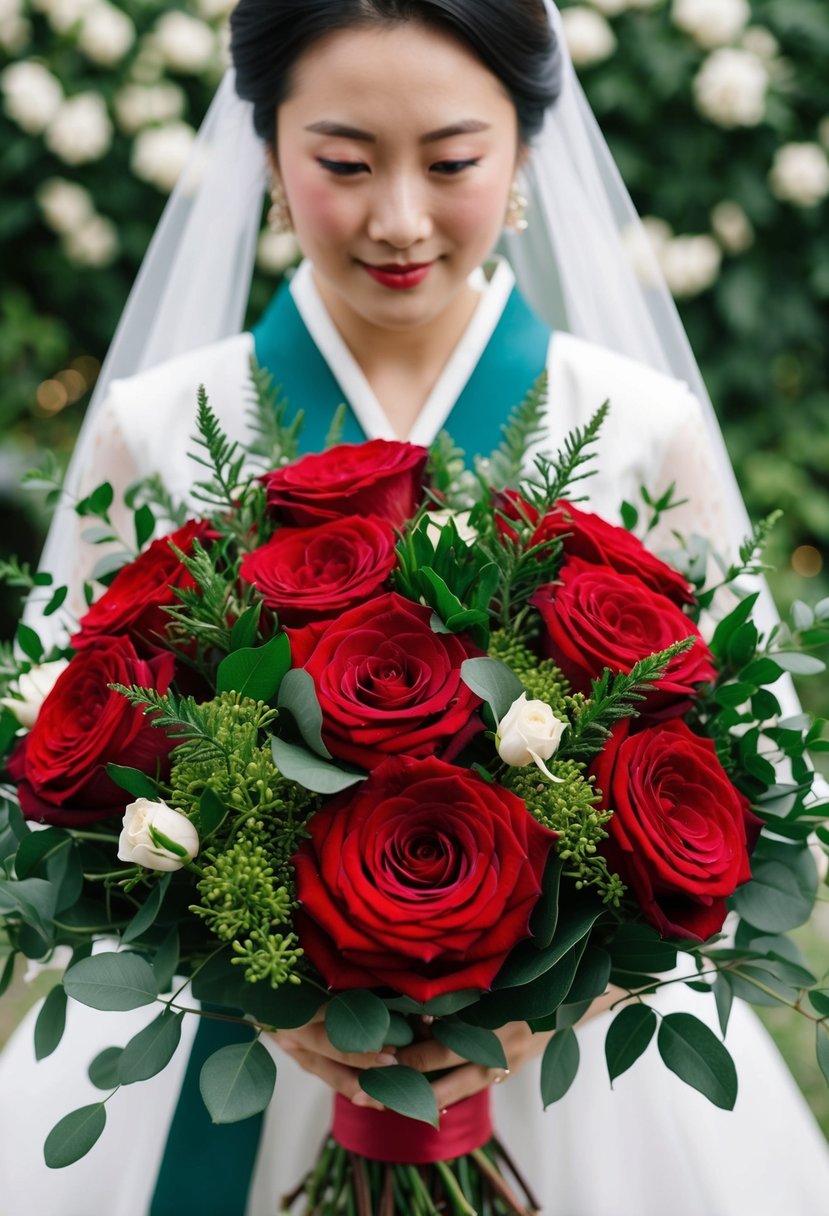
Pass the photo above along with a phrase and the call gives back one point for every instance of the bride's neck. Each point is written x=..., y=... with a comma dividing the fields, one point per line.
x=402, y=366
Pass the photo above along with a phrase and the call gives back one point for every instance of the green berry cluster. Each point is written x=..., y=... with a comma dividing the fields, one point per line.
x=541, y=678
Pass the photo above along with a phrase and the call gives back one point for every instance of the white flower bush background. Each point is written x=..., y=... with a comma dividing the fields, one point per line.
x=717, y=111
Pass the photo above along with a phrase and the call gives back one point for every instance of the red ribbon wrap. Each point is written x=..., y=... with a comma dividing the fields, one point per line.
x=383, y=1135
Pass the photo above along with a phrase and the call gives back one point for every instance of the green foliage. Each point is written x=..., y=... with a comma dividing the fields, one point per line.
x=524, y=428
x=275, y=439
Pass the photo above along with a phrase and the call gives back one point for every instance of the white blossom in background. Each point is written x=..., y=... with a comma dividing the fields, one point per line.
x=160, y=153
x=760, y=41
x=139, y=105
x=611, y=8
x=32, y=96
x=15, y=30
x=730, y=88
x=106, y=35
x=81, y=130
x=690, y=264
x=823, y=131
x=589, y=37
x=276, y=251
x=643, y=243
x=215, y=10
x=800, y=174
x=93, y=243
x=65, y=205
x=63, y=14
x=732, y=227
x=711, y=23
x=184, y=43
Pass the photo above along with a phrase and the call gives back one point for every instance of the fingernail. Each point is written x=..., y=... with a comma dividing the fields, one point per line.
x=385, y=1058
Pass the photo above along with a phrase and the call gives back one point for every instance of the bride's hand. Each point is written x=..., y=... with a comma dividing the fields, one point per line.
x=312, y=1049
x=520, y=1046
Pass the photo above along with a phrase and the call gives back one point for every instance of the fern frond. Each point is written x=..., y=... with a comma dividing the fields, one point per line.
x=524, y=428
x=275, y=439
x=335, y=430
x=153, y=493
x=555, y=476
x=222, y=458
x=181, y=718
x=452, y=484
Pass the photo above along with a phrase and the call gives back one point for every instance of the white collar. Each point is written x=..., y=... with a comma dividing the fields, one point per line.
x=450, y=384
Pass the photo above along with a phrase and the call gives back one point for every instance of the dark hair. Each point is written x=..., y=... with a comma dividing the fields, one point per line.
x=512, y=38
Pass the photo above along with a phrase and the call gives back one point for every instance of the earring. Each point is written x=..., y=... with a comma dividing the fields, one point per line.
x=516, y=218
x=280, y=220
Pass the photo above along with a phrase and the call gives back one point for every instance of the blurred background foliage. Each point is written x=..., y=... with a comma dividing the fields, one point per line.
x=717, y=112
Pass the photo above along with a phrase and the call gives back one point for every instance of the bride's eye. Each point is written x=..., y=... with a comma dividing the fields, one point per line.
x=452, y=167
x=344, y=168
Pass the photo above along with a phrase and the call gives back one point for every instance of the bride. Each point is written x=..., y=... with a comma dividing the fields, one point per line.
x=400, y=140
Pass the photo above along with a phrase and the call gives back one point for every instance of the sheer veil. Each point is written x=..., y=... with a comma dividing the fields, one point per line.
x=573, y=265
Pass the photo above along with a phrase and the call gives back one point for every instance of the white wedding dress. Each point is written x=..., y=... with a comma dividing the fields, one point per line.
x=650, y=1146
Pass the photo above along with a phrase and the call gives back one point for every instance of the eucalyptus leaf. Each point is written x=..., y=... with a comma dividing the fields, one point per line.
x=493, y=682
x=298, y=695
x=403, y=1090
x=112, y=981
x=559, y=1066
x=212, y=811
x=473, y=1043
x=545, y=913
x=256, y=672
x=133, y=781
x=692, y=1051
x=774, y=901
x=628, y=1036
x=165, y=960
x=311, y=771
x=146, y=915
x=74, y=1136
x=151, y=1050
x=237, y=1082
x=33, y=900
x=357, y=1021
x=51, y=1023
x=103, y=1071
x=526, y=962
x=822, y=1048
x=7, y=973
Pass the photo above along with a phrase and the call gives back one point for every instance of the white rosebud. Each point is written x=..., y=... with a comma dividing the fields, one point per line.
x=732, y=227
x=34, y=687
x=65, y=205
x=711, y=23
x=81, y=131
x=32, y=96
x=92, y=243
x=800, y=174
x=690, y=264
x=156, y=836
x=184, y=43
x=760, y=41
x=589, y=37
x=529, y=733
x=138, y=106
x=106, y=35
x=160, y=153
x=277, y=251
x=730, y=88
x=437, y=520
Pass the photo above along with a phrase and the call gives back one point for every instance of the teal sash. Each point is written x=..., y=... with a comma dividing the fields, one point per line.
x=205, y=1168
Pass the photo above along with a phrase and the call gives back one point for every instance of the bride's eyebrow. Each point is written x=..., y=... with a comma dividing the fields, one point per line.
x=468, y=126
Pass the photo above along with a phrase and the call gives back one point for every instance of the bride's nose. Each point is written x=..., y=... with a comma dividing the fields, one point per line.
x=399, y=213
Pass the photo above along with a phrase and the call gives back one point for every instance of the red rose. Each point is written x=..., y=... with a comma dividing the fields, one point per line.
x=312, y=574
x=596, y=618
x=422, y=880
x=595, y=540
x=133, y=604
x=82, y=726
x=376, y=478
x=387, y=684
x=681, y=835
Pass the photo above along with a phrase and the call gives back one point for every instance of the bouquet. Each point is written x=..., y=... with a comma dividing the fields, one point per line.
x=428, y=748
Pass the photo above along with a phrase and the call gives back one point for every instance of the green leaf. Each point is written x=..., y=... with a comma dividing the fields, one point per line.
x=38, y=847
x=147, y=914
x=151, y=1050
x=545, y=913
x=103, y=1071
x=33, y=900
x=310, y=770
x=357, y=1021
x=403, y=1090
x=526, y=962
x=724, y=997
x=761, y=671
x=256, y=672
x=775, y=900
x=298, y=694
x=285, y=1008
x=400, y=1032
x=144, y=521
x=74, y=1136
x=243, y=633
x=57, y=601
x=630, y=516
x=697, y=1056
x=133, y=781
x=237, y=1082
x=820, y=1002
x=451, y=1002
x=528, y=1002
x=51, y=1022
x=822, y=1047
x=629, y=1034
x=473, y=1043
x=112, y=981
x=165, y=960
x=559, y=1066
x=29, y=642
x=7, y=973
x=800, y=664
x=639, y=948
x=592, y=976
x=493, y=682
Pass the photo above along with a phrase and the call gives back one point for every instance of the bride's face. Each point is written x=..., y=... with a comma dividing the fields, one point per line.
x=397, y=148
